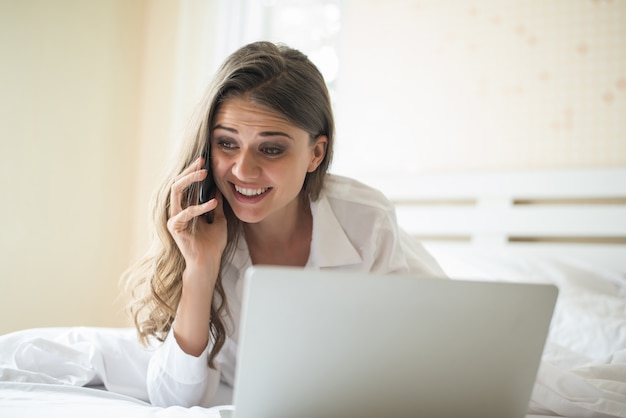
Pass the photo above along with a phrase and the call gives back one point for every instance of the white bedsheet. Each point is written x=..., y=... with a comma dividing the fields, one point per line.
x=583, y=368
x=81, y=371
x=100, y=372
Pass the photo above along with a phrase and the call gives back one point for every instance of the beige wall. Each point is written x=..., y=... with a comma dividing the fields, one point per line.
x=453, y=85
x=94, y=95
x=70, y=78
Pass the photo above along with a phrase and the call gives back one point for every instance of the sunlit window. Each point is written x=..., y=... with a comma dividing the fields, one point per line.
x=312, y=26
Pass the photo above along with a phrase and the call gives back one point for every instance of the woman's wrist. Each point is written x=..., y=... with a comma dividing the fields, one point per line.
x=193, y=315
x=206, y=274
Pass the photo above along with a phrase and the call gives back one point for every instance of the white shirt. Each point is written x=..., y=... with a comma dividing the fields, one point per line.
x=354, y=228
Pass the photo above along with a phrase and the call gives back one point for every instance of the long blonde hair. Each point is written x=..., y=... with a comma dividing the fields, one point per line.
x=277, y=77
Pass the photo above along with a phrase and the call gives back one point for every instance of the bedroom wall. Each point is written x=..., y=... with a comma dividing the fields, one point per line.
x=481, y=85
x=94, y=96
x=69, y=106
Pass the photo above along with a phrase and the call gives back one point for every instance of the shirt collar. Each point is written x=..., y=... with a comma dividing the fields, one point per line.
x=330, y=246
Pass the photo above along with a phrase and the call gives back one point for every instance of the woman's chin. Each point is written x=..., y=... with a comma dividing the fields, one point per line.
x=248, y=216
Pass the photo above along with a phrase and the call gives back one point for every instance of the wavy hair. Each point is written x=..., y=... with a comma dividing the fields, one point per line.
x=276, y=77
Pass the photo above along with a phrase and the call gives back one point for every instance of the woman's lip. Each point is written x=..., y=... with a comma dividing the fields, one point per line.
x=246, y=198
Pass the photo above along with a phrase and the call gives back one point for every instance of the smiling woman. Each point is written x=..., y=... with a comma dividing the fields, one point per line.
x=266, y=126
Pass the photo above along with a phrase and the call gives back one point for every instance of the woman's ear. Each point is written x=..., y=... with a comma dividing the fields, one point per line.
x=318, y=152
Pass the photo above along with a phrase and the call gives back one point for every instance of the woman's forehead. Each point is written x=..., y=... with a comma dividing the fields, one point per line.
x=242, y=111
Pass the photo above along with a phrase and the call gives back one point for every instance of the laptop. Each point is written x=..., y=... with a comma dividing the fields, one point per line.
x=346, y=344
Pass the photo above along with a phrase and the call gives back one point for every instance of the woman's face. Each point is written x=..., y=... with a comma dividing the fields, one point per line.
x=260, y=160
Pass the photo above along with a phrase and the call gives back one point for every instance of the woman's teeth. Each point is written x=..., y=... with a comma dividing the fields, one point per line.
x=250, y=192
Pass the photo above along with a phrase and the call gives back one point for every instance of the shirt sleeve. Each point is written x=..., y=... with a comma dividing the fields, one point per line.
x=177, y=378
x=419, y=261
x=397, y=252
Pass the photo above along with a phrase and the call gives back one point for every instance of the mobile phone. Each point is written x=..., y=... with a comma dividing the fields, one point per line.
x=207, y=189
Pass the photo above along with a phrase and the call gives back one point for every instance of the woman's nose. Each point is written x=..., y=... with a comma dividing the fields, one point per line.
x=246, y=166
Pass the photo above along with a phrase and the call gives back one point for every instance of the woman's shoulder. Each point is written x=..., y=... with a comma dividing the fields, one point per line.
x=349, y=191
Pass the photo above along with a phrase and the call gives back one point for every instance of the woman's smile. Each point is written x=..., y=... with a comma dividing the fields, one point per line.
x=249, y=194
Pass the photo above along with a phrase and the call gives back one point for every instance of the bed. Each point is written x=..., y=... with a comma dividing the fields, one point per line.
x=562, y=227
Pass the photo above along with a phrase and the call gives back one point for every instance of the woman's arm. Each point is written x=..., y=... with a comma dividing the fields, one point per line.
x=177, y=378
x=178, y=373
x=193, y=315
x=201, y=245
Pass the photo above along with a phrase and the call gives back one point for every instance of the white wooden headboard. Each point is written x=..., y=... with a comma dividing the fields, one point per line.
x=577, y=213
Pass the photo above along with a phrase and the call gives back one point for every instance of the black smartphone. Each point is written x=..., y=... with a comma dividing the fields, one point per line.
x=207, y=189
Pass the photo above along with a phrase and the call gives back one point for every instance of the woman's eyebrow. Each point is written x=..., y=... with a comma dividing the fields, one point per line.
x=233, y=130
x=263, y=133
x=275, y=133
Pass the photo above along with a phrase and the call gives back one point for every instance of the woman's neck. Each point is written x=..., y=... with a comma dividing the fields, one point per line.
x=283, y=238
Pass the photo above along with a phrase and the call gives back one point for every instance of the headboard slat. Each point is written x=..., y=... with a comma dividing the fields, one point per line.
x=579, y=213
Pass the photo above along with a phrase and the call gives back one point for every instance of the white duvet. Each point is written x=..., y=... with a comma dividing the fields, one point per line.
x=100, y=372
x=583, y=368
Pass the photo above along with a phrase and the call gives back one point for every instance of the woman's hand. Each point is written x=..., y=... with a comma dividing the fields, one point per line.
x=200, y=243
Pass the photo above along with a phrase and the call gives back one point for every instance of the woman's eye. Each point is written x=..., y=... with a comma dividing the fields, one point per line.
x=272, y=150
x=225, y=144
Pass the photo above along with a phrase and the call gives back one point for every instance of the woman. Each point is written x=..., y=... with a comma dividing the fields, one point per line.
x=267, y=127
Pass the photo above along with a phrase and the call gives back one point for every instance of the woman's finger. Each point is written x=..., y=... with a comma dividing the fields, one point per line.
x=180, y=185
x=195, y=166
x=180, y=222
x=219, y=208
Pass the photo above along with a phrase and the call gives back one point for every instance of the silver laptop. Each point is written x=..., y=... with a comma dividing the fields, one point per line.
x=338, y=344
